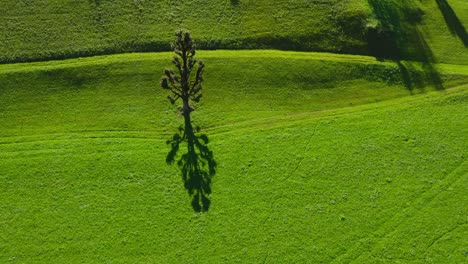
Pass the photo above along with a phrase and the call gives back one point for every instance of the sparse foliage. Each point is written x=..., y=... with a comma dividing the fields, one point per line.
x=180, y=83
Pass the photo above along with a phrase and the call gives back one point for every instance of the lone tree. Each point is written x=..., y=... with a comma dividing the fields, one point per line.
x=197, y=164
x=181, y=84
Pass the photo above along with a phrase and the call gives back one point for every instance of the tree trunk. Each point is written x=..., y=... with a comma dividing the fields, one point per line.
x=188, y=123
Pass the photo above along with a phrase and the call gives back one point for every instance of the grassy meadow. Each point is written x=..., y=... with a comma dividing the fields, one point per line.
x=55, y=29
x=312, y=166
x=328, y=132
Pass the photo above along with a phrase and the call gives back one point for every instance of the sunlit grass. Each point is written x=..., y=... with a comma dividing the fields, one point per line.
x=320, y=158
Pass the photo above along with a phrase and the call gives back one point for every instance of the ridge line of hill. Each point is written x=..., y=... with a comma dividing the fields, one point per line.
x=136, y=57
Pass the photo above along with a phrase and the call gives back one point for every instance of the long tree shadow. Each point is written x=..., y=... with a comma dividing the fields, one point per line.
x=197, y=165
x=398, y=37
x=452, y=21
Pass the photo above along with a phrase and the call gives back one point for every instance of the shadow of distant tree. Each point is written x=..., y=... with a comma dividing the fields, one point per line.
x=397, y=36
x=452, y=21
x=197, y=165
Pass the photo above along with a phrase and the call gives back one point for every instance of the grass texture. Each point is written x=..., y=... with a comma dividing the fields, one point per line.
x=321, y=158
x=56, y=29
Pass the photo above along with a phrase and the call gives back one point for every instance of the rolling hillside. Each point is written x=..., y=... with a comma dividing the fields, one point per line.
x=312, y=165
x=56, y=29
x=330, y=131
x=60, y=95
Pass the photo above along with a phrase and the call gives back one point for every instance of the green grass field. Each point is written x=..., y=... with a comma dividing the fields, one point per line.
x=56, y=29
x=313, y=166
x=330, y=132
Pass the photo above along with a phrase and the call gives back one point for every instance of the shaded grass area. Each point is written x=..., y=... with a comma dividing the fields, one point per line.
x=452, y=21
x=368, y=183
x=196, y=164
x=438, y=34
x=398, y=36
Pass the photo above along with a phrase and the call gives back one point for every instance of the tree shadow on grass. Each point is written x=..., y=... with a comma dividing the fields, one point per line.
x=197, y=165
x=397, y=36
x=452, y=21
